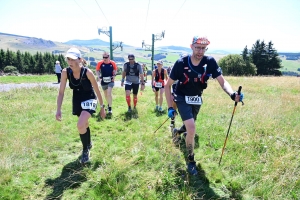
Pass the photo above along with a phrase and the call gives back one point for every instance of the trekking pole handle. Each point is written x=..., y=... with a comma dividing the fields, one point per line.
x=239, y=90
x=239, y=93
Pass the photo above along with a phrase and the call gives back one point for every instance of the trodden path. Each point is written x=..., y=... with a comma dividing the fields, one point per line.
x=9, y=86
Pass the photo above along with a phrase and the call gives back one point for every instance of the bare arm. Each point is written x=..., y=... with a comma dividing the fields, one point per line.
x=225, y=85
x=168, y=92
x=152, y=77
x=166, y=75
x=98, y=73
x=93, y=81
x=61, y=93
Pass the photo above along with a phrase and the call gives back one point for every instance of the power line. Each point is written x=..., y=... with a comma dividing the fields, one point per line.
x=102, y=12
x=178, y=10
x=147, y=15
x=83, y=10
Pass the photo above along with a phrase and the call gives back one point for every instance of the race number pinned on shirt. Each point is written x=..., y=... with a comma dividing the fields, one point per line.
x=195, y=100
x=128, y=83
x=90, y=104
x=158, y=84
x=106, y=79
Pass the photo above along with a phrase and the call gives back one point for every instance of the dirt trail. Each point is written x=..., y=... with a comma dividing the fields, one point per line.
x=9, y=86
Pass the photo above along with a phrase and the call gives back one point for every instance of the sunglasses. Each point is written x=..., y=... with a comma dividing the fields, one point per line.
x=130, y=58
x=105, y=57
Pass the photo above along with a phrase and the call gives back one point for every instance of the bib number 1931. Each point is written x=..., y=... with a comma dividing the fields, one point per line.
x=195, y=100
x=90, y=104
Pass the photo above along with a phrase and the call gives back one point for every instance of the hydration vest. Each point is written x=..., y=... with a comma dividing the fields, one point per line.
x=192, y=82
x=84, y=83
x=161, y=74
x=135, y=70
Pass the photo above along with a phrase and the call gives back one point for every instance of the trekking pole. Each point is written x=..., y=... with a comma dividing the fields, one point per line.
x=235, y=104
x=161, y=124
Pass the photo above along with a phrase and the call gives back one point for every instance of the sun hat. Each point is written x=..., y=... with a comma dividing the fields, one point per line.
x=73, y=53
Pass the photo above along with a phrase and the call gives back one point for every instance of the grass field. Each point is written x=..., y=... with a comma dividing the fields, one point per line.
x=39, y=156
x=291, y=65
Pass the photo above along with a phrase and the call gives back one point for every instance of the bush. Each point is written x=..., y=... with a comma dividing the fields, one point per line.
x=10, y=69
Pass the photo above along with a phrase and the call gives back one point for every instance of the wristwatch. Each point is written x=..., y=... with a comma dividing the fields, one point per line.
x=102, y=106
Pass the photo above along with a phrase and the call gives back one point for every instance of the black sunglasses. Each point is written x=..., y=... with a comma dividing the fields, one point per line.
x=130, y=58
x=105, y=57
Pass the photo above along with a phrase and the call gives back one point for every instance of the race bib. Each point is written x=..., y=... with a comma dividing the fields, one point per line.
x=158, y=84
x=195, y=100
x=127, y=83
x=90, y=104
x=106, y=79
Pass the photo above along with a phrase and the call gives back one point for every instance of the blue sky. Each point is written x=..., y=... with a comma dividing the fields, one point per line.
x=228, y=24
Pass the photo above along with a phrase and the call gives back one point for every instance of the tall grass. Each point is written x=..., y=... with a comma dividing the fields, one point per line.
x=39, y=156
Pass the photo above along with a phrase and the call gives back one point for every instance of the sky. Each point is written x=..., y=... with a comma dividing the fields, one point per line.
x=229, y=24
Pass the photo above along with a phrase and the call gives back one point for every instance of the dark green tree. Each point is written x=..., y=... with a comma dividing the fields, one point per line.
x=18, y=62
x=9, y=58
x=2, y=59
x=26, y=60
x=265, y=57
x=32, y=64
x=40, y=65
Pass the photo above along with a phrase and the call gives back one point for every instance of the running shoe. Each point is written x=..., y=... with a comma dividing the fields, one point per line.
x=192, y=168
x=85, y=156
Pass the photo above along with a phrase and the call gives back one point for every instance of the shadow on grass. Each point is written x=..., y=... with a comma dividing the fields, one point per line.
x=199, y=184
x=71, y=177
x=130, y=115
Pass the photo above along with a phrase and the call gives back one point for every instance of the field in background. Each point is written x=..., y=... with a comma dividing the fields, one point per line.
x=39, y=156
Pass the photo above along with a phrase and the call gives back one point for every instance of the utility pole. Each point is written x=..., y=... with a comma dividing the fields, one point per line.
x=111, y=45
x=147, y=46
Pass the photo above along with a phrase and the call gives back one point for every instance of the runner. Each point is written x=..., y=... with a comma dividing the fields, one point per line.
x=159, y=76
x=145, y=69
x=83, y=83
x=192, y=73
x=131, y=75
x=106, y=71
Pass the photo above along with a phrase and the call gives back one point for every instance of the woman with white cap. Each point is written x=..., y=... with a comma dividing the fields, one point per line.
x=58, y=70
x=84, y=85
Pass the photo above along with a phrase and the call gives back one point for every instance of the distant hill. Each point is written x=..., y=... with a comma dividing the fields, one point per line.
x=176, y=48
x=92, y=42
x=30, y=44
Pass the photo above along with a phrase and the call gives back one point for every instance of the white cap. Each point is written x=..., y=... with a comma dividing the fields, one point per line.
x=159, y=62
x=57, y=62
x=73, y=53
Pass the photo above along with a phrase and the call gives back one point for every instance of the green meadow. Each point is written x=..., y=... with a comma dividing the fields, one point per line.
x=129, y=160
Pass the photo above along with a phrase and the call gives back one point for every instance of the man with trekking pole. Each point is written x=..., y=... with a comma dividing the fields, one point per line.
x=192, y=73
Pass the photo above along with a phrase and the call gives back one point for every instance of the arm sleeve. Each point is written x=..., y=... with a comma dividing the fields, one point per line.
x=99, y=65
x=114, y=66
x=175, y=72
x=214, y=68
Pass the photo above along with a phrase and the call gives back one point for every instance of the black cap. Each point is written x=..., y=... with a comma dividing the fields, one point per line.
x=130, y=56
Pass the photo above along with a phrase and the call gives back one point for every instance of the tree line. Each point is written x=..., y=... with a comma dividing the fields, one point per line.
x=261, y=59
x=26, y=63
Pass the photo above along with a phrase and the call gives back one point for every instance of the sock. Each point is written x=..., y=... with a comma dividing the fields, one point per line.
x=172, y=120
x=128, y=100
x=84, y=140
x=88, y=132
x=134, y=101
x=109, y=108
x=191, y=158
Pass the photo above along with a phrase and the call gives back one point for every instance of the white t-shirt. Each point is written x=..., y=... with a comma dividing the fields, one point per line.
x=58, y=68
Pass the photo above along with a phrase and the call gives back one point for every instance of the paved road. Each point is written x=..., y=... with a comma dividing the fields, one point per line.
x=9, y=86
